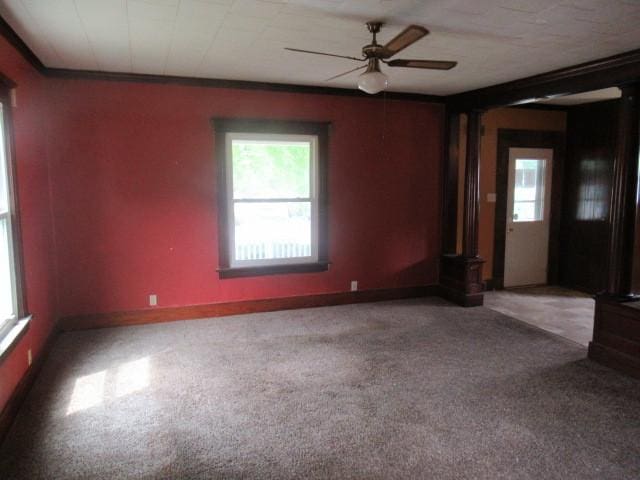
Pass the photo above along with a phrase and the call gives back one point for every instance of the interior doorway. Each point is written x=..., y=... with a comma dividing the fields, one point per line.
x=528, y=210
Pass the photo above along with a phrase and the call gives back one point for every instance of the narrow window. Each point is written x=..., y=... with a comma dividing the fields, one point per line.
x=12, y=308
x=272, y=198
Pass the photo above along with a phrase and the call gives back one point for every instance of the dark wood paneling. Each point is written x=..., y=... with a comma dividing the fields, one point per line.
x=509, y=138
x=602, y=73
x=591, y=145
x=12, y=406
x=616, y=335
x=159, y=315
x=450, y=188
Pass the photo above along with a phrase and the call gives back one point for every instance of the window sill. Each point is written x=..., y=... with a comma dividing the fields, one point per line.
x=13, y=336
x=273, y=270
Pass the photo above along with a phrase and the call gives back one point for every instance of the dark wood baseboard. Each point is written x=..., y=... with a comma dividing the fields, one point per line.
x=11, y=409
x=490, y=284
x=159, y=315
x=616, y=335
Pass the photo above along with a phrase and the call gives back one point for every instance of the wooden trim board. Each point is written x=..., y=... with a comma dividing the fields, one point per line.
x=169, y=314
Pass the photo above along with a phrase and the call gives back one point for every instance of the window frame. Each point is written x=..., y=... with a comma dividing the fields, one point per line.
x=13, y=328
x=275, y=128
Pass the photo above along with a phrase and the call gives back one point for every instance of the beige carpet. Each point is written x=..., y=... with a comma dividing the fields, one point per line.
x=406, y=389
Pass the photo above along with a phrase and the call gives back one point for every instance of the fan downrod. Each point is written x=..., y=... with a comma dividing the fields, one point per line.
x=373, y=50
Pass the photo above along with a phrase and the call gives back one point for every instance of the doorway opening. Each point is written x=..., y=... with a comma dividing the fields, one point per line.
x=528, y=207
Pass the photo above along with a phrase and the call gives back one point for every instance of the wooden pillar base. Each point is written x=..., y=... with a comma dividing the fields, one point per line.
x=616, y=334
x=461, y=280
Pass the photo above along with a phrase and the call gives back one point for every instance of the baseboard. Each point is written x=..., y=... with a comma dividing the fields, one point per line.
x=159, y=315
x=490, y=284
x=12, y=407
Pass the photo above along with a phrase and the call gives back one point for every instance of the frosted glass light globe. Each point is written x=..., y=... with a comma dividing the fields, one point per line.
x=372, y=82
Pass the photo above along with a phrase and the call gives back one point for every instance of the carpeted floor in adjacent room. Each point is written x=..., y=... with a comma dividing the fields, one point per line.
x=397, y=390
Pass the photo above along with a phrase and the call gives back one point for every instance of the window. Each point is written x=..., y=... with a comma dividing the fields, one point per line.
x=528, y=198
x=11, y=304
x=272, y=196
x=593, y=193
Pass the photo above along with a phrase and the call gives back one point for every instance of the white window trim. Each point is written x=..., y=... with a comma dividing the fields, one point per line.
x=312, y=199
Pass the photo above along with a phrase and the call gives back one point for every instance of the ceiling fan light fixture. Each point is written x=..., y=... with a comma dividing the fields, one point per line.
x=373, y=81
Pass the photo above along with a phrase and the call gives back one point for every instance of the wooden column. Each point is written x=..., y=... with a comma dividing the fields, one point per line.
x=461, y=275
x=616, y=329
x=624, y=194
x=472, y=187
x=450, y=175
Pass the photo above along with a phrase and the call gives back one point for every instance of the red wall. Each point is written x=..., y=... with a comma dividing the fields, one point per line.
x=133, y=181
x=117, y=192
x=30, y=133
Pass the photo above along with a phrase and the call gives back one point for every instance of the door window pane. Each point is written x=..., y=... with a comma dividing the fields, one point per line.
x=270, y=230
x=528, y=192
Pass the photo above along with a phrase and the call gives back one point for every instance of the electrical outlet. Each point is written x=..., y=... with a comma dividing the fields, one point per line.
x=29, y=358
x=354, y=285
x=153, y=300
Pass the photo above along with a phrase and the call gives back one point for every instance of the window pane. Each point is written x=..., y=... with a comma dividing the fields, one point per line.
x=593, y=195
x=6, y=284
x=263, y=169
x=272, y=230
x=528, y=194
x=4, y=200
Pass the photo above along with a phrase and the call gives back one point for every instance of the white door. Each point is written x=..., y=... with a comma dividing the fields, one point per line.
x=528, y=208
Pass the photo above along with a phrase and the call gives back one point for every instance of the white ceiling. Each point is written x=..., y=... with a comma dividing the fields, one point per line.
x=493, y=40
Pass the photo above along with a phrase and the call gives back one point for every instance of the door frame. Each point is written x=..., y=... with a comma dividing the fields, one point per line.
x=511, y=138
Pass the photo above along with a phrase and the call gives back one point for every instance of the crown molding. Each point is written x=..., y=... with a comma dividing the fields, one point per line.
x=236, y=84
x=14, y=39
x=615, y=70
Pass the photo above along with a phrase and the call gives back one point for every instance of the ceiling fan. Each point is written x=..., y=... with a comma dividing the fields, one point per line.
x=373, y=80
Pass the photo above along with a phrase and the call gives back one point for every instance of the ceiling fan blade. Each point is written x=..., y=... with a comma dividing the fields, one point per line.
x=429, y=64
x=345, y=73
x=323, y=53
x=408, y=36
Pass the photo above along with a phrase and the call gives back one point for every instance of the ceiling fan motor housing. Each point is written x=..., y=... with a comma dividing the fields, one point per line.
x=373, y=50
